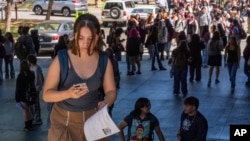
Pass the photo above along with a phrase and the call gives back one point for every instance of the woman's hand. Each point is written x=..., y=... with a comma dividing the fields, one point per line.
x=101, y=104
x=77, y=92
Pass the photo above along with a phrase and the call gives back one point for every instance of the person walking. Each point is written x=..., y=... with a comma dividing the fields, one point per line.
x=22, y=95
x=205, y=38
x=204, y=19
x=74, y=104
x=180, y=58
x=232, y=60
x=215, y=46
x=195, y=46
x=39, y=80
x=133, y=50
x=141, y=123
x=153, y=37
x=246, y=55
x=9, y=57
x=162, y=38
x=194, y=125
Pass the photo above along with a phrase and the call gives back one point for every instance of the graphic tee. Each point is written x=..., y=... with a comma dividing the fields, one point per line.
x=141, y=129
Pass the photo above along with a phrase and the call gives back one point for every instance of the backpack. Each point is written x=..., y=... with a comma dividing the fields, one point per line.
x=64, y=69
x=21, y=50
x=181, y=60
x=242, y=33
x=31, y=93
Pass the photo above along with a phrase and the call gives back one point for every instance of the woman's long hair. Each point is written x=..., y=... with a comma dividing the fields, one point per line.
x=9, y=36
x=140, y=103
x=90, y=21
x=24, y=68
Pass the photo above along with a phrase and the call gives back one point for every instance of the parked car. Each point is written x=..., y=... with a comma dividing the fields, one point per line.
x=51, y=30
x=64, y=7
x=143, y=1
x=117, y=11
x=145, y=11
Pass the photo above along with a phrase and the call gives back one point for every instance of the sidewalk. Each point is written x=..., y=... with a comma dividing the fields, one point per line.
x=219, y=106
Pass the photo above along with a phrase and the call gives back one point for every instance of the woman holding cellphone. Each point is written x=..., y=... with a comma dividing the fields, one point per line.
x=74, y=104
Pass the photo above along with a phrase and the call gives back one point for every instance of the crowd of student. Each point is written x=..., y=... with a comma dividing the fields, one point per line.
x=201, y=31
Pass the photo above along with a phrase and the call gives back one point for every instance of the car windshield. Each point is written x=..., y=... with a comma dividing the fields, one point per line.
x=130, y=4
x=48, y=27
x=142, y=10
x=115, y=4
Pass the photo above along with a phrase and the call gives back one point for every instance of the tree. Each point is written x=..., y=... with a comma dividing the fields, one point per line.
x=49, y=9
x=8, y=15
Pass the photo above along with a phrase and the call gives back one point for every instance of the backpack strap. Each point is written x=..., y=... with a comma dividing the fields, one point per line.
x=103, y=62
x=64, y=67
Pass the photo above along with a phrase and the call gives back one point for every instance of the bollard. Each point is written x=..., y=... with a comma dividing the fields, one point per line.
x=16, y=10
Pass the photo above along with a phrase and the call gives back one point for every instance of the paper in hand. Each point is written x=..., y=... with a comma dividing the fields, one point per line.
x=99, y=126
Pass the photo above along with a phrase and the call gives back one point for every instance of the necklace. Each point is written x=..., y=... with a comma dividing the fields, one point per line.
x=192, y=119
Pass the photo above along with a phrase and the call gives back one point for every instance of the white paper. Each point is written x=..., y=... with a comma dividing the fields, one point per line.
x=99, y=126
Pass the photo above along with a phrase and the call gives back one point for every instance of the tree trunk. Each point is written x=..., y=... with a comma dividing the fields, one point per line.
x=49, y=9
x=8, y=15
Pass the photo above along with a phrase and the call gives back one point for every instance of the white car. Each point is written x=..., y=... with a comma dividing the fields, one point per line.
x=117, y=11
x=145, y=11
x=64, y=7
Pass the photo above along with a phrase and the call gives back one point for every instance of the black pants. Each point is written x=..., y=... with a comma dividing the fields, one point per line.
x=195, y=69
x=161, y=50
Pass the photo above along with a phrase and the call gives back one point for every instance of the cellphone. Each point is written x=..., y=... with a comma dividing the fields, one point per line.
x=79, y=85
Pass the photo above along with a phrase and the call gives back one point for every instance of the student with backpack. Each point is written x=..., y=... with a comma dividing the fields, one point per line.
x=180, y=59
x=141, y=123
x=73, y=81
x=24, y=45
x=39, y=80
x=24, y=94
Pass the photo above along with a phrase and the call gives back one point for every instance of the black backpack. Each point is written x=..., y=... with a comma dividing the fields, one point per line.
x=21, y=49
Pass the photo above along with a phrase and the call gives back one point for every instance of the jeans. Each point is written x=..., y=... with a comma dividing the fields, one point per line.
x=128, y=63
x=36, y=109
x=168, y=47
x=156, y=54
x=232, y=70
x=180, y=77
x=161, y=47
x=195, y=69
x=204, y=57
x=1, y=70
x=8, y=60
x=247, y=72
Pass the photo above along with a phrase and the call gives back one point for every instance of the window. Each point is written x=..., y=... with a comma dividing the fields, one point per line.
x=111, y=5
x=129, y=4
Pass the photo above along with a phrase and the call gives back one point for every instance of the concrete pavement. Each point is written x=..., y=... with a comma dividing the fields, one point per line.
x=217, y=103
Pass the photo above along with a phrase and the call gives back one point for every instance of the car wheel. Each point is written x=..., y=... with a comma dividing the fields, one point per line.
x=38, y=10
x=66, y=12
x=115, y=13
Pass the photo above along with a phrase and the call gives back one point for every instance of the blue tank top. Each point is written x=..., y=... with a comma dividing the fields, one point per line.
x=88, y=101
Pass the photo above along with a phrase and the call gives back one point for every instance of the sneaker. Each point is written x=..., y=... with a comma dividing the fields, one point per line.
x=232, y=90
x=39, y=122
x=154, y=69
x=26, y=129
x=138, y=72
x=163, y=69
x=217, y=81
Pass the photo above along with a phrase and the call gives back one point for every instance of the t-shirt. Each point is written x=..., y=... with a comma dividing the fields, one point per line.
x=141, y=129
x=193, y=128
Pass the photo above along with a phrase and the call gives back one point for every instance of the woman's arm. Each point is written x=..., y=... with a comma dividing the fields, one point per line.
x=50, y=93
x=122, y=125
x=159, y=133
x=109, y=87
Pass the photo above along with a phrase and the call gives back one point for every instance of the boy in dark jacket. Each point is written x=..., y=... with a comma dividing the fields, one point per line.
x=193, y=125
